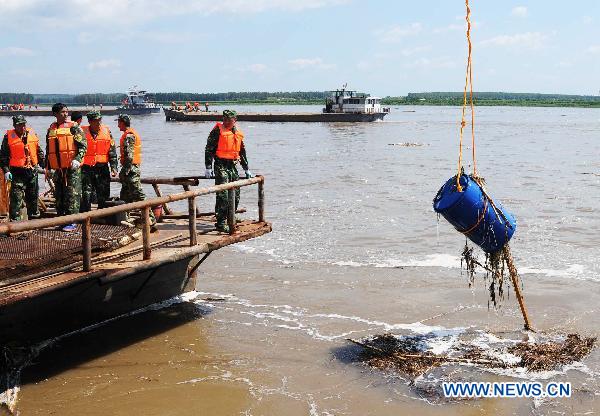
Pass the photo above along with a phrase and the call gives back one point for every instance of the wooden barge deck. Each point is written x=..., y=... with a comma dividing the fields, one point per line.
x=180, y=115
x=100, y=286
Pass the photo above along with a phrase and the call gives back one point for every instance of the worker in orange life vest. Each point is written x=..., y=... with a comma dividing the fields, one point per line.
x=20, y=156
x=99, y=162
x=130, y=147
x=225, y=145
x=65, y=147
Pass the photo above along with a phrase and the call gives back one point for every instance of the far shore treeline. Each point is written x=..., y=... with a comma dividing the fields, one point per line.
x=312, y=97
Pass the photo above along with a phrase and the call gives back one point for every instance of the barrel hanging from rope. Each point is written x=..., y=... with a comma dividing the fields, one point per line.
x=463, y=200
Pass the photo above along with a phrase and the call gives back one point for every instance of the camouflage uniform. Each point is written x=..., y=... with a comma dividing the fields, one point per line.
x=96, y=179
x=67, y=182
x=225, y=171
x=24, y=185
x=130, y=174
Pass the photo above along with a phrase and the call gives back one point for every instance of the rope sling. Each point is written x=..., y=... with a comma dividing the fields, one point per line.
x=468, y=84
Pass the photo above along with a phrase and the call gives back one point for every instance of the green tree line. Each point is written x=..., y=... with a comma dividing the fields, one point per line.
x=12, y=98
x=167, y=97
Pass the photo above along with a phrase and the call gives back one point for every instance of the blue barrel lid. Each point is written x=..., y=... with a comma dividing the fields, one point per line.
x=448, y=195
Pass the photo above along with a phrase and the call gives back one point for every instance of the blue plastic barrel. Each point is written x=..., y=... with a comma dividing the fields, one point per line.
x=472, y=214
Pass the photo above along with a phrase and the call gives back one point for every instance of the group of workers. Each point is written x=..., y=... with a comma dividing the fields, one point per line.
x=81, y=159
x=188, y=106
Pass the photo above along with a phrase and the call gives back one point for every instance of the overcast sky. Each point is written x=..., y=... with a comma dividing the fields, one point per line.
x=381, y=47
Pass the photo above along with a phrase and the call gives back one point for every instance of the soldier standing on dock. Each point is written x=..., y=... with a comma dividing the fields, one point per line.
x=225, y=145
x=20, y=156
x=131, y=159
x=95, y=172
x=65, y=147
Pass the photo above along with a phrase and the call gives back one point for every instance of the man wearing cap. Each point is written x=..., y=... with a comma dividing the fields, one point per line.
x=65, y=147
x=99, y=162
x=225, y=145
x=20, y=156
x=131, y=159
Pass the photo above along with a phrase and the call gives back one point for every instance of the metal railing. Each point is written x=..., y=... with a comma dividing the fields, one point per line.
x=145, y=206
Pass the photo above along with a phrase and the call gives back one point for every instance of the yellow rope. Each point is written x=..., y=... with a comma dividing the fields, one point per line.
x=468, y=83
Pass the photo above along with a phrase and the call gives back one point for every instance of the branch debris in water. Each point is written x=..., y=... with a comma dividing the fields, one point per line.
x=407, y=355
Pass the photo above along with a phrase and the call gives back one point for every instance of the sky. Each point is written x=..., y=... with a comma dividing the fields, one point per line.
x=386, y=48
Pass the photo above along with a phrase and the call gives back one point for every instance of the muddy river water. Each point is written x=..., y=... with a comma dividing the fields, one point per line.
x=356, y=250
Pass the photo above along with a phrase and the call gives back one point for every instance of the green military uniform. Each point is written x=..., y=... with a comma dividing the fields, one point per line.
x=225, y=171
x=24, y=184
x=130, y=174
x=96, y=179
x=67, y=182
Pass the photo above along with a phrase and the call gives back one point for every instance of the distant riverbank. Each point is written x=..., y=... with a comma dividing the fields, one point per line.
x=312, y=98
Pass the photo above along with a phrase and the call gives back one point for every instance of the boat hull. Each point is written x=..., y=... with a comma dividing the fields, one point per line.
x=176, y=115
x=89, y=301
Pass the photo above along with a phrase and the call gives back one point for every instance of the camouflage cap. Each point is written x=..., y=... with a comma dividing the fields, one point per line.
x=123, y=117
x=230, y=114
x=19, y=119
x=94, y=115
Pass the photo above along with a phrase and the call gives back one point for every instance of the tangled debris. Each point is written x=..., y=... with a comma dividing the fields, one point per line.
x=494, y=267
x=408, y=354
x=550, y=355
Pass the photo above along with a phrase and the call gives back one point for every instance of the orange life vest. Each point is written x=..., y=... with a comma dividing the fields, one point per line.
x=137, y=148
x=61, y=145
x=229, y=144
x=98, y=148
x=23, y=155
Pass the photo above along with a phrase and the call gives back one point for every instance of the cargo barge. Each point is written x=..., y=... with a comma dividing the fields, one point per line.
x=138, y=102
x=343, y=106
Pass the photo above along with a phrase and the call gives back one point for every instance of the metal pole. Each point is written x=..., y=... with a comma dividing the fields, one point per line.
x=515, y=281
x=146, y=232
x=86, y=241
x=192, y=220
x=231, y=211
x=261, y=200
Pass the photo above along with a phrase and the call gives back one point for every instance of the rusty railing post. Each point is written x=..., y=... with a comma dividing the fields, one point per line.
x=187, y=189
x=231, y=210
x=86, y=241
x=261, y=200
x=192, y=220
x=146, y=232
x=159, y=194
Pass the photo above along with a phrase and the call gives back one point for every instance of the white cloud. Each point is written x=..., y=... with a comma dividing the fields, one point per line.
x=450, y=28
x=528, y=40
x=415, y=50
x=83, y=12
x=431, y=63
x=564, y=64
x=519, y=11
x=593, y=49
x=104, y=64
x=587, y=20
x=304, y=63
x=396, y=33
x=254, y=68
x=15, y=51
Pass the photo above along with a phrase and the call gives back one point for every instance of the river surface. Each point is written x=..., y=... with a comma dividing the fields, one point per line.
x=356, y=250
